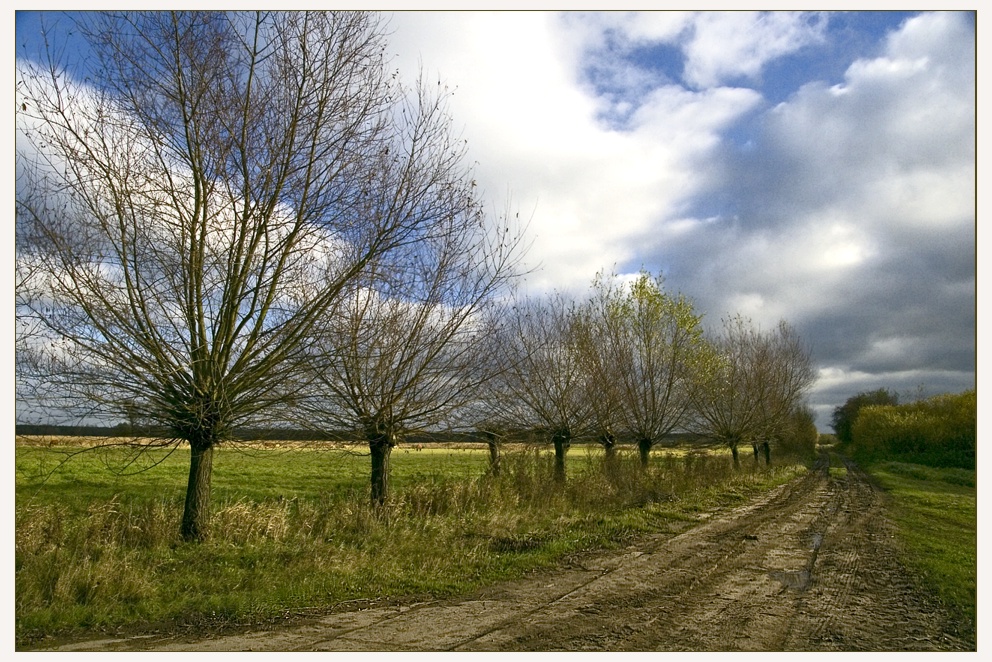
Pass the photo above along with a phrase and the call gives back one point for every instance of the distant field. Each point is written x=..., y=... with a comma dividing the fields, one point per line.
x=258, y=471
x=261, y=470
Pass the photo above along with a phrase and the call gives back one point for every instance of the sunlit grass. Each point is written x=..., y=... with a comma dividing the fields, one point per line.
x=935, y=512
x=293, y=531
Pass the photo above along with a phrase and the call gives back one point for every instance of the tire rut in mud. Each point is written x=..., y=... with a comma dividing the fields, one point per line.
x=715, y=587
x=812, y=567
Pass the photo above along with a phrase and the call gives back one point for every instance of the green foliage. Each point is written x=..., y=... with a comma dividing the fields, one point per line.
x=939, y=431
x=844, y=416
x=639, y=347
x=799, y=436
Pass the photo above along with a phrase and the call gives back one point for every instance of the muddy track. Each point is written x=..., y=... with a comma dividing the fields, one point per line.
x=810, y=566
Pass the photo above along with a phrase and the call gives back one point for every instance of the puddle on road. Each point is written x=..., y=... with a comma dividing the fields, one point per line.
x=798, y=580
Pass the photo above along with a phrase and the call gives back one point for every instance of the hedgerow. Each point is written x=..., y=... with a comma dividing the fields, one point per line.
x=939, y=431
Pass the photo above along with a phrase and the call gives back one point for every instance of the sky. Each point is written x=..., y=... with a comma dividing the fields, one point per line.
x=814, y=167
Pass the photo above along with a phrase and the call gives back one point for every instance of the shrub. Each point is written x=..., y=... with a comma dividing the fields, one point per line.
x=798, y=439
x=845, y=416
x=939, y=431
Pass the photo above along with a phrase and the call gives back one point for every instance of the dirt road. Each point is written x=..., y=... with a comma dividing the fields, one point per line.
x=810, y=566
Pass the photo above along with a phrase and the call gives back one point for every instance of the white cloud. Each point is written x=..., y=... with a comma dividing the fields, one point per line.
x=725, y=46
x=842, y=179
x=637, y=28
x=857, y=197
x=595, y=192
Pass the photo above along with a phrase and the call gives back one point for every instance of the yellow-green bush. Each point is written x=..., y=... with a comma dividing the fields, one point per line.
x=939, y=431
x=799, y=437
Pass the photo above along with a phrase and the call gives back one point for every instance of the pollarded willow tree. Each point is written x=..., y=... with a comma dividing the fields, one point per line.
x=591, y=324
x=752, y=385
x=543, y=384
x=790, y=373
x=643, y=349
x=797, y=436
x=411, y=343
x=195, y=209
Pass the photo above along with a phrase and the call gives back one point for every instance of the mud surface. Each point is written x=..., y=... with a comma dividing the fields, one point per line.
x=810, y=566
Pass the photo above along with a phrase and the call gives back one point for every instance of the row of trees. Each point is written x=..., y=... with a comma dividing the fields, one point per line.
x=631, y=361
x=242, y=219
x=226, y=220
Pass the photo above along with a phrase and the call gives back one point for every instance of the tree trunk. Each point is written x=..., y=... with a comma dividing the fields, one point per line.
x=561, y=440
x=754, y=447
x=380, y=449
x=609, y=443
x=610, y=449
x=492, y=440
x=644, y=449
x=737, y=459
x=768, y=453
x=196, y=513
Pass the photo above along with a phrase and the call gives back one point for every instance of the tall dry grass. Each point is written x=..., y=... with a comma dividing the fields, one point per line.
x=119, y=562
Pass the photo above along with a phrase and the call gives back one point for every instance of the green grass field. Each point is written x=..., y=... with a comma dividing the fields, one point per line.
x=292, y=531
x=935, y=512
x=240, y=472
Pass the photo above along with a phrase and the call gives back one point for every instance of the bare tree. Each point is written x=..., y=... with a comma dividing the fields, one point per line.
x=752, y=384
x=543, y=385
x=411, y=344
x=197, y=207
x=595, y=328
x=490, y=415
x=790, y=373
x=644, y=346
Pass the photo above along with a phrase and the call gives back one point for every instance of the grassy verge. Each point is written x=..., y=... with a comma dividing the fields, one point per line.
x=292, y=532
x=935, y=512
x=837, y=468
